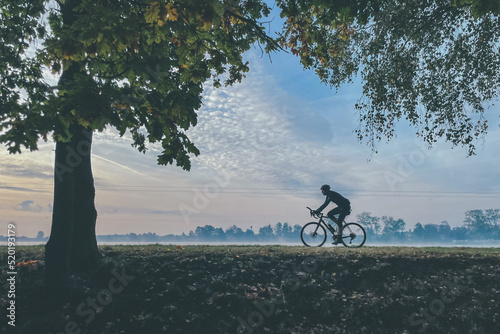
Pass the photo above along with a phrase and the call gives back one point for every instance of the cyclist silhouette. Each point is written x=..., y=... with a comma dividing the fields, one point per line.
x=343, y=208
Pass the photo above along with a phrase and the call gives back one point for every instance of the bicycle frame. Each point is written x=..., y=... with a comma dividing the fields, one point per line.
x=324, y=224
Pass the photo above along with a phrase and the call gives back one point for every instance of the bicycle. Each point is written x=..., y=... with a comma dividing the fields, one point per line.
x=314, y=234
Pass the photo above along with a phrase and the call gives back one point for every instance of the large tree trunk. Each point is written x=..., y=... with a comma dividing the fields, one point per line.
x=84, y=252
x=57, y=249
x=72, y=245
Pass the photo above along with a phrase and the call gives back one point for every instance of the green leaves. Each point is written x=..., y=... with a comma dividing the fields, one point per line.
x=138, y=66
x=435, y=64
x=21, y=79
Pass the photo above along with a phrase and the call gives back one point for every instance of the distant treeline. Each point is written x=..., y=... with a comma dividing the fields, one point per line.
x=277, y=233
x=477, y=225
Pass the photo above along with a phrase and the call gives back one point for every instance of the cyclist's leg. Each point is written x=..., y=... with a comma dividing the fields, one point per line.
x=344, y=212
x=331, y=214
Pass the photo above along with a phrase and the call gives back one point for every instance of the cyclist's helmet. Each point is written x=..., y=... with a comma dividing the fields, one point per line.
x=325, y=187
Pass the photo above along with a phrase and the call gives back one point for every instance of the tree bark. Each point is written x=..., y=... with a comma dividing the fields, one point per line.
x=57, y=249
x=84, y=253
x=72, y=245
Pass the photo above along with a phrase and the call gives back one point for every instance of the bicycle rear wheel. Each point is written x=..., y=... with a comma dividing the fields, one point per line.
x=313, y=234
x=353, y=235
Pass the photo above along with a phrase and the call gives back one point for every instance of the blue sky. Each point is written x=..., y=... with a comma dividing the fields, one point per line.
x=267, y=145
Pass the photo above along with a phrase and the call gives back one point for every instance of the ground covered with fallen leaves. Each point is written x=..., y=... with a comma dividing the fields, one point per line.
x=264, y=289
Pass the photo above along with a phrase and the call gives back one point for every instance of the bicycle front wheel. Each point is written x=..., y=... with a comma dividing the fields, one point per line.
x=353, y=235
x=313, y=234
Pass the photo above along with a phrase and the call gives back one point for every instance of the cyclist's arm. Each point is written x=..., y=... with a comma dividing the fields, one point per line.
x=324, y=205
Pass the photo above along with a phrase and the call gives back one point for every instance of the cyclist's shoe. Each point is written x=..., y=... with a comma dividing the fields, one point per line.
x=336, y=241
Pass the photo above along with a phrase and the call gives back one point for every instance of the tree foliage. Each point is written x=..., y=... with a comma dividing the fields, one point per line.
x=371, y=223
x=137, y=66
x=393, y=226
x=481, y=221
x=433, y=63
x=478, y=225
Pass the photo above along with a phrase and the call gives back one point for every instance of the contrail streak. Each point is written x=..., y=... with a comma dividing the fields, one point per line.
x=119, y=165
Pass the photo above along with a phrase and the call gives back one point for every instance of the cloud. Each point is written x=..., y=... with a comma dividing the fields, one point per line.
x=260, y=132
x=23, y=189
x=257, y=132
x=25, y=170
x=29, y=206
x=133, y=210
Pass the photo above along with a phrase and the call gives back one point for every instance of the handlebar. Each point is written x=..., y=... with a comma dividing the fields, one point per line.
x=315, y=215
x=318, y=216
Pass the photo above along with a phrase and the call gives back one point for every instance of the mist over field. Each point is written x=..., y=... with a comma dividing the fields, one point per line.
x=481, y=228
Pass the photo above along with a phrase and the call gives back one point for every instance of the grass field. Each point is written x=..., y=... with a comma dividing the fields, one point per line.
x=265, y=289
